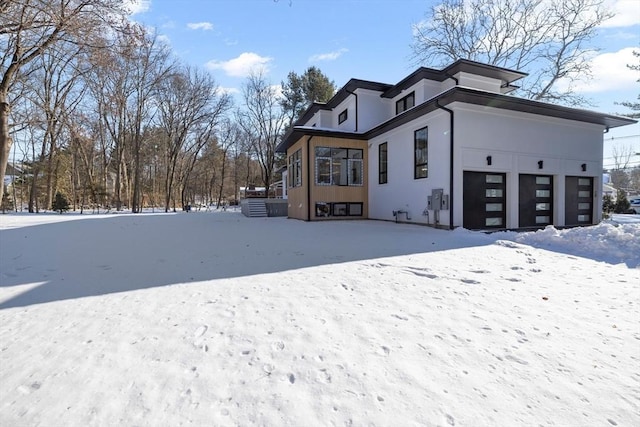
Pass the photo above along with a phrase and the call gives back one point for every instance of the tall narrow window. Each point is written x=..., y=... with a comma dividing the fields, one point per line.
x=295, y=169
x=342, y=117
x=421, y=152
x=382, y=163
x=406, y=103
x=323, y=166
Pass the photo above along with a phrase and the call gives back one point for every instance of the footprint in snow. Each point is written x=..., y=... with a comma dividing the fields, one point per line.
x=200, y=331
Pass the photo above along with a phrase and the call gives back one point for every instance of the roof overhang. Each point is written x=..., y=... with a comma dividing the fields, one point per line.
x=506, y=75
x=298, y=132
x=467, y=96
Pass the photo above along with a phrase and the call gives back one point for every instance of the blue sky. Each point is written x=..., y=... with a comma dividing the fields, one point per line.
x=365, y=39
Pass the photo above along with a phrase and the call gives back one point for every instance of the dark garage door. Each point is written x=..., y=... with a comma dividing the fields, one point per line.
x=578, y=201
x=484, y=200
x=535, y=206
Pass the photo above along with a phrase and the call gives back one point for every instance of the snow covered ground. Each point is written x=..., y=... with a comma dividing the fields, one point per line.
x=214, y=319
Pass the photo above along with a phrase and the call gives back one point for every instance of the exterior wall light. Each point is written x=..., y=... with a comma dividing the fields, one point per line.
x=540, y=164
x=488, y=160
x=584, y=167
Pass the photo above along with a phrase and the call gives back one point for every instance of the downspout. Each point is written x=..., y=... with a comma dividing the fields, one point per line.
x=309, y=178
x=356, y=95
x=451, y=151
x=451, y=123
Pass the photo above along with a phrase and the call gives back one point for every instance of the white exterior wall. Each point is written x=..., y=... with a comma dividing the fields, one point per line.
x=430, y=89
x=516, y=142
x=349, y=125
x=402, y=191
x=325, y=119
x=372, y=109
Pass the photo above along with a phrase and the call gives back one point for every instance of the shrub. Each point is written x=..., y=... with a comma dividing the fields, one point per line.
x=60, y=203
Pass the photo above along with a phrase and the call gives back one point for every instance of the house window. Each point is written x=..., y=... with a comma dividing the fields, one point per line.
x=324, y=209
x=406, y=103
x=295, y=169
x=342, y=117
x=421, y=151
x=339, y=166
x=382, y=163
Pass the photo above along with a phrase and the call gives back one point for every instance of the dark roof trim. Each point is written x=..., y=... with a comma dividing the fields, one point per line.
x=298, y=132
x=339, y=97
x=461, y=65
x=467, y=96
x=493, y=100
x=488, y=99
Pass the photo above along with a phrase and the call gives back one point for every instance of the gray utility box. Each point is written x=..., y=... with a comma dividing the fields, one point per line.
x=438, y=201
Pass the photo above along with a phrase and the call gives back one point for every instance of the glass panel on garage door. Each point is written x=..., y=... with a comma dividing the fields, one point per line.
x=484, y=200
x=578, y=201
x=535, y=201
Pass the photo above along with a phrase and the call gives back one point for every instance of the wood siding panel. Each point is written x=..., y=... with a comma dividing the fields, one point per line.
x=336, y=193
x=299, y=207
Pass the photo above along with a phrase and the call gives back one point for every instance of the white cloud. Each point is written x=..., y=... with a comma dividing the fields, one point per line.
x=164, y=39
x=205, y=26
x=228, y=90
x=242, y=65
x=610, y=72
x=627, y=13
x=137, y=6
x=277, y=90
x=331, y=56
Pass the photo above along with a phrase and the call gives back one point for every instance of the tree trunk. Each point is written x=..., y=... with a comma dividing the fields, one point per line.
x=5, y=138
x=222, y=172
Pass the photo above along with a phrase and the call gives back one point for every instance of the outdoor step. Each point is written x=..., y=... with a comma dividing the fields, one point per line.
x=257, y=208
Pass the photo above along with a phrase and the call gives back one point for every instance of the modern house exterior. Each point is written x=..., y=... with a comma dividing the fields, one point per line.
x=447, y=148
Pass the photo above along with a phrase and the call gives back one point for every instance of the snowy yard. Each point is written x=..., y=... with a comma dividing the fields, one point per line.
x=214, y=319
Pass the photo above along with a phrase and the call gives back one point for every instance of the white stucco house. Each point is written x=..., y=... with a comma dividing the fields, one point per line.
x=447, y=148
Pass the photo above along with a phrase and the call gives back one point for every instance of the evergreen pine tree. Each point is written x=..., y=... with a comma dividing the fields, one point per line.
x=60, y=203
x=7, y=203
x=608, y=205
x=622, y=203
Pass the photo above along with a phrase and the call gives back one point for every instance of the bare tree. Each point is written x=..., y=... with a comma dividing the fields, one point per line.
x=186, y=100
x=263, y=119
x=549, y=39
x=54, y=90
x=622, y=156
x=151, y=64
x=228, y=137
x=27, y=29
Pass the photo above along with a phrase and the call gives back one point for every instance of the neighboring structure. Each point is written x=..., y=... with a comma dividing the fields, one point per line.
x=447, y=148
x=609, y=190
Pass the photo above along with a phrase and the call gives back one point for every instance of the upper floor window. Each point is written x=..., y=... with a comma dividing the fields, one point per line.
x=382, y=163
x=338, y=166
x=342, y=117
x=421, y=151
x=406, y=103
x=295, y=169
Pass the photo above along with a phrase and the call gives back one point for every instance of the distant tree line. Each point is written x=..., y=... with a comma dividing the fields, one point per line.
x=96, y=108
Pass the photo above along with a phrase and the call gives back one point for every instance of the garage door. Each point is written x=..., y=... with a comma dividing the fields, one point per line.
x=484, y=200
x=535, y=200
x=578, y=202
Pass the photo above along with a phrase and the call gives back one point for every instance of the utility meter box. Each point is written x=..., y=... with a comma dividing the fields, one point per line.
x=438, y=200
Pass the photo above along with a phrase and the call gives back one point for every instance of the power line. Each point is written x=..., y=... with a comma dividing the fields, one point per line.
x=620, y=137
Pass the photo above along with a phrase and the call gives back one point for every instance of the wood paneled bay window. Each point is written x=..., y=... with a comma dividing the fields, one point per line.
x=339, y=166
